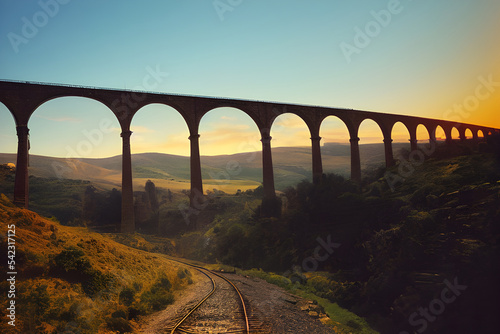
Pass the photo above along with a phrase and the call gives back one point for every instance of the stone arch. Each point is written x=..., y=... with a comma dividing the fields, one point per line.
x=226, y=105
x=233, y=133
x=455, y=133
x=468, y=134
x=58, y=96
x=286, y=112
x=158, y=132
x=379, y=123
x=10, y=110
x=285, y=130
x=439, y=133
x=373, y=121
x=335, y=151
x=400, y=132
x=8, y=142
x=426, y=138
x=423, y=133
x=186, y=108
x=166, y=118
x=286, y=122
x=400, y=135
x=372, y=152
x=480, y=133
x=96, y=135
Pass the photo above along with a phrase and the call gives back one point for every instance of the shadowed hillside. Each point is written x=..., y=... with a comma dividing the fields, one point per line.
x=382, y=254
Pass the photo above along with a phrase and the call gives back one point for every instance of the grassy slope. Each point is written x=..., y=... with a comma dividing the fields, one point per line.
x=291, y=165
x=39, y=240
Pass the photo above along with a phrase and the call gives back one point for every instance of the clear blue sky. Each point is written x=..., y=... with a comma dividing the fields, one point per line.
x=428, y=57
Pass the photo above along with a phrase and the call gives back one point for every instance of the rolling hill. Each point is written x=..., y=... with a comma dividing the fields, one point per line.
x=224, y=172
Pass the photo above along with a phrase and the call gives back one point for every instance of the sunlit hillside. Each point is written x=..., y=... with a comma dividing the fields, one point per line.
x=70, y=279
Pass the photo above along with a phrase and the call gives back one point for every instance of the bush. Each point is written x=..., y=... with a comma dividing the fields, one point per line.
x=319, y=283
x=71, y=265
x=71, y=262
x=119, y=314
x=118, y=324
x=126, y=296
x=183, y=273
x=158, y=296
x=157, y=300
x=97, y=283
x=134, y=312
x=162, y=284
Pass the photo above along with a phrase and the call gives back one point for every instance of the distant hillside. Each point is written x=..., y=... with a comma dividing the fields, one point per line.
x=229, y=172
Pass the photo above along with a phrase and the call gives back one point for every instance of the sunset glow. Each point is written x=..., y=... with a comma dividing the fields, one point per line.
x=436, y=60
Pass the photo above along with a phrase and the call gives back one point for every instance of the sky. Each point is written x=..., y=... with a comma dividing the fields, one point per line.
x=424, y=58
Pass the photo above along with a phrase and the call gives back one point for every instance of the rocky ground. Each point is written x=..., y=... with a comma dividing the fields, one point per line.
x=277, y=311
x=271, y=309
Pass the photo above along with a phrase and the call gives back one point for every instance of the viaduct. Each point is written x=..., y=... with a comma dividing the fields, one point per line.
x=23, y=98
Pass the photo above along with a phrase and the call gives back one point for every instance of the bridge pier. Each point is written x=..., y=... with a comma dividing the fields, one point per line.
x=267, y=168
x=447, y=133
x=462, y=136
x=317, y=165
x=21, y=185
x=355, y=160
x=413, y=144
x=389, y=157
x=128, y=221
x=195, y=166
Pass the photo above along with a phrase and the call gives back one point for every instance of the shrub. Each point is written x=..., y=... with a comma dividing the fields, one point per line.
x=126, y=296
x=157, y=300
x=119, y=314
x=71, y=265
x=118, y=324
x=134, y=312
x=319, y=283
x=158, y=296
x=161, y=284
x=97, y=283
x=183, y=273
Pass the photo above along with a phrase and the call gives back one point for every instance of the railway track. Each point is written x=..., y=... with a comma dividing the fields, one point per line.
x=221, y=310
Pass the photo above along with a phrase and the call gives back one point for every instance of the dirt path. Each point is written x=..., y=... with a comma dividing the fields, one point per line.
x=158, y=322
